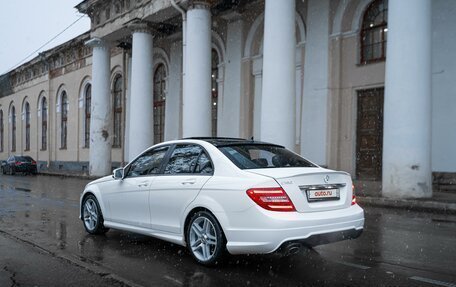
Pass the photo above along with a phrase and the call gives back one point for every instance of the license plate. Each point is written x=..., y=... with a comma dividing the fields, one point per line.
x=323, y=194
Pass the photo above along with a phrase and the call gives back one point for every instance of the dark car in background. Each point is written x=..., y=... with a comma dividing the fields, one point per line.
x=18, y=163
x=2, y=164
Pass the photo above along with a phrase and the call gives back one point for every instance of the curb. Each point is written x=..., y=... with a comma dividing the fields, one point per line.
x=409, y=204
x=81, y=176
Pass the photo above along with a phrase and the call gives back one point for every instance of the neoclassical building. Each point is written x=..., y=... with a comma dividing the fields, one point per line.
x=364, y=86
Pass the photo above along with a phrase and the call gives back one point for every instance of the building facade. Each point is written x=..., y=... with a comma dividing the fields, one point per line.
x=363, y=86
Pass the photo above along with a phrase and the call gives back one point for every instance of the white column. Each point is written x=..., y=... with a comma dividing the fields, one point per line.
x=100, y=111
x=141, y=124
x=299, y=84
x=278, y=98
x=173, y=99
x=231, y=115
x=314, y=125
x=407, y=109
x=257, y=85
x=128, y=156
x=220, y=97
x=197, y=91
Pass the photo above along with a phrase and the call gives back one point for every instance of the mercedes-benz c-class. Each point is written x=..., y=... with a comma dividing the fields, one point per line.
x=219, y=195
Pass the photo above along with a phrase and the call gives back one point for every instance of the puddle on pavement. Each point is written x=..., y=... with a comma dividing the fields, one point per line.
x=439, y=220
x=22, y=189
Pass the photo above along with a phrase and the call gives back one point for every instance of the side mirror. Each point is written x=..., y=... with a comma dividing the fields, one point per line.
x=118, y=173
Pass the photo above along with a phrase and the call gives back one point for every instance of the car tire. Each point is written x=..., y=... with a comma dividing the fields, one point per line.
x=13, y=171
x=92, y=216
x=205, y=239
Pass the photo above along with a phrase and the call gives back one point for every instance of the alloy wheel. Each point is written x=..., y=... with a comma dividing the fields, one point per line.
x=90, y=214
x=203, y=239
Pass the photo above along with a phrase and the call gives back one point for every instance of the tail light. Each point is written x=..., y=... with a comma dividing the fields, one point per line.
x=273, y=198
x=353, y=200
x=353, y=195
x=18, y=163
x=33, y=162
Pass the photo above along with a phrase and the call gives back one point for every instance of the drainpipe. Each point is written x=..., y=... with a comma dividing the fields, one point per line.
x=184, y=34
x=124, y=106
x=184, y=43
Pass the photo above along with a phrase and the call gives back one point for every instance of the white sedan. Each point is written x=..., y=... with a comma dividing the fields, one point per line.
x=220, y=194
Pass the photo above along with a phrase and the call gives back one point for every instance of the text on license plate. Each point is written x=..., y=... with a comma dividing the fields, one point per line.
x=323, y=194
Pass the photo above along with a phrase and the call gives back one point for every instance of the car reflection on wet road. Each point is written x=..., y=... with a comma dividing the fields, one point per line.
x=396, y=248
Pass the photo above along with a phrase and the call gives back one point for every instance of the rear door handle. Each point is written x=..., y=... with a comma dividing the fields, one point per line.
x=143, y=184
x=189, y=181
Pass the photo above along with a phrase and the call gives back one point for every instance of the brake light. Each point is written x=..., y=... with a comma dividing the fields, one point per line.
x=353, y=195
x=33, y=162
x=18, y=163
x=271, y=198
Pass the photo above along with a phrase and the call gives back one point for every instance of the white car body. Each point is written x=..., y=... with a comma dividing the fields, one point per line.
x=160, y=205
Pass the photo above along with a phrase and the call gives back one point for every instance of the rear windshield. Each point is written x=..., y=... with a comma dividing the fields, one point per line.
x=251, y=156
x=24, y=158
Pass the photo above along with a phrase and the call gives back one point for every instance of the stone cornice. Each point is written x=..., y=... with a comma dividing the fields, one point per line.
x=66, y=57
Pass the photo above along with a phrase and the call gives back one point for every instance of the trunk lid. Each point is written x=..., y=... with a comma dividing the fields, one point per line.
x=312, y=189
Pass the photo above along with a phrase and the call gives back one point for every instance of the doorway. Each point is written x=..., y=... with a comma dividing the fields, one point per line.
x=369, y=134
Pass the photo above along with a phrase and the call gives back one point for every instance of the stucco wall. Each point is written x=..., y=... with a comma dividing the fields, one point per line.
x=443, y=88
x=347, y=77
x=72, y=83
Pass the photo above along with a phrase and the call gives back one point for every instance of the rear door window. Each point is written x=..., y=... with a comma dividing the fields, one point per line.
x=188, y=159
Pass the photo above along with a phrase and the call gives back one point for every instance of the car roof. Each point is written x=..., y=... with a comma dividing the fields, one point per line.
x=225, y=141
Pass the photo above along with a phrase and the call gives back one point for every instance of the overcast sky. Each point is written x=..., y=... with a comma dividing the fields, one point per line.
x=25, y=25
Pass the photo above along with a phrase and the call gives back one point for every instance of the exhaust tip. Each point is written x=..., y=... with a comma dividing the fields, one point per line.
x=292, y=249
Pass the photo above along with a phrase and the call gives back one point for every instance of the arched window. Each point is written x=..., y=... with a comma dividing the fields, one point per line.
x=374, y=32
x=117, y=100
x=1, y=131
x=44, y=124
x=159, y=102
x=214, y=76
x=63, y=120
x=13, y=129
x=88, y=102
x=27, y=126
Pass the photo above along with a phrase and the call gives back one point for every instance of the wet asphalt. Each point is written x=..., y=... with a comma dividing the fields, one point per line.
x=39, y=226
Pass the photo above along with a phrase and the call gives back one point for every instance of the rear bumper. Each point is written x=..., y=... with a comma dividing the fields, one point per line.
x=259, y=231
x=25, y=168
x=325, y=238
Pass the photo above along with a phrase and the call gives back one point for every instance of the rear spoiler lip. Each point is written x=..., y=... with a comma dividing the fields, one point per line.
x=301, y=174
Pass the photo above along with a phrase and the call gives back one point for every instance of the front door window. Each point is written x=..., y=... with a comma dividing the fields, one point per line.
x=148, y=163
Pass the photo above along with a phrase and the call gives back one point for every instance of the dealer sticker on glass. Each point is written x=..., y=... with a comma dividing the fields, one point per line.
x=323, y=194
